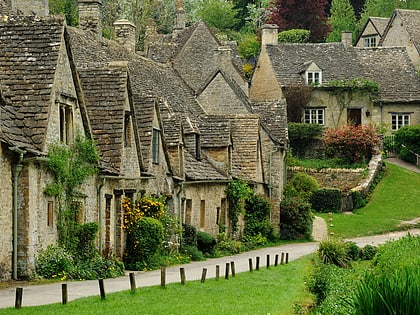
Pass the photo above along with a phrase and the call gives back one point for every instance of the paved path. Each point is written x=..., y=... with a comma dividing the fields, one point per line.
x=51, y=293
x=403, y=164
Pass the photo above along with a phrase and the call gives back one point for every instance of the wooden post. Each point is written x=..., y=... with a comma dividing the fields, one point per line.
x=132, y=282
x=287, y=258
x=162, y=276
x=203, y=275
x=268, y=261
x=250, y=264
x=257, y=265
x=227, y=271
x=276, y=261
x=64, y=295
x=282, y=259
x=102, y=288
x=217, y=272
x=232, y=267
x=182, y=273
x=18, y=300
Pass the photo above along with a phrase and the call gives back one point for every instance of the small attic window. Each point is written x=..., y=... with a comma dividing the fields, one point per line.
x=369, y=41
x=127, y=129
x=313, y=77
x=155, y=145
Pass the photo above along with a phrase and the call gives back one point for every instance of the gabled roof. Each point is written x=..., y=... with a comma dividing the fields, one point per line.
x=30, y=51
x=201, y=169
x=379, y=23
x=411, y=21
x=215, y=132
x=397, y=77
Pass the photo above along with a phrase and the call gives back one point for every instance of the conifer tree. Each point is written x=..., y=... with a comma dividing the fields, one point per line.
x=342, y=19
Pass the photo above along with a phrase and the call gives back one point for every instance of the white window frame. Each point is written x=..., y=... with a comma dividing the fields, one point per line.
x=314, y=116
x=313, y=77
x=369, y=41
x=399, y=120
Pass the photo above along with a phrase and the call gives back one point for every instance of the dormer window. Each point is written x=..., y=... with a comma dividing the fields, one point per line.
x=314, y=77
x=369, y=41
x=65, y=107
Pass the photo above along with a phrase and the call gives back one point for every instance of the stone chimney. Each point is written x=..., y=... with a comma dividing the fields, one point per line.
x=224, y=58
x=125, y=34
x=30, y=7
x=269, y=35
x=90, y=16
x=180, y=17
x=347, y=38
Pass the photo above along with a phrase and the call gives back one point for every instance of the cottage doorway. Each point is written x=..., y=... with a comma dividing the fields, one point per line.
x=354, y=116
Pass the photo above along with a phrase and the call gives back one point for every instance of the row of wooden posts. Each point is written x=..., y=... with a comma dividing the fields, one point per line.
x=229, y=270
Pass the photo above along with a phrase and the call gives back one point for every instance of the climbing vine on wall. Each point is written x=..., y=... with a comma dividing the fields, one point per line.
x=70, y=166
x=236, y=194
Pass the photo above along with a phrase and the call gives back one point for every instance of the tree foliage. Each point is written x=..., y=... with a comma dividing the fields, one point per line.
x=294, y=36
x=342, y=19
x=301, y=14
x=219, y=14
x=66, y=7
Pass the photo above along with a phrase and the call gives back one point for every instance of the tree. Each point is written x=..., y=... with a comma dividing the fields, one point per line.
x=66, y=7
x=301, y=14
x=220, y=14
x=342, y=19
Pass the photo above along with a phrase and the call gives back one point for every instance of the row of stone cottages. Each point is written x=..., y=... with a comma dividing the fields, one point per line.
x=182, y=127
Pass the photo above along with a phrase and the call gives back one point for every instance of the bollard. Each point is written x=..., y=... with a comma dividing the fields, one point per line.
x=203, y=275
x=162, y=276
x=276, y=261
x=64, y=295
x=268, y=261
x=132, y=282
x=282, y=258
x=182, y=273
x=102, y=288
x=287, y=258
x=217, y=272
x=250, y=264
x=232, y=268
x=227, y=271
x=18, y=300
x=257, y=265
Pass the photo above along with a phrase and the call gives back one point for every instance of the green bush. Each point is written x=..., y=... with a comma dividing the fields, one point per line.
x=205, y=242
x=334, y=252
x=54, y=261
x=302, y=135
x=86, y=236
x=143, y=240
x=193, y=252
x=294, y=36
x=358, y=200
x=189, y=235
x=326, y=200
x=353, y=250
x=257, y=217
x=295, y=218
x=407, y=141
x=98, y=267
x=301, y=184
x=368, y=252
x=226, y=246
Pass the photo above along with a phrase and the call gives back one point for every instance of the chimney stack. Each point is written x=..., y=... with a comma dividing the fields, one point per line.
x=90, y=16
x=125, y=34
x=30, y=7
x=347, y=38
x=270, y=34
x=180, y=17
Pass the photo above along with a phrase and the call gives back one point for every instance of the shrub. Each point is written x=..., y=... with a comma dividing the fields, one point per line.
x=257, y=217
x=189, y=235
x=192, y=252
x=295, y=218
x=358, y=200
x=368, y=252
x=143, y=240
x=333, y=251
x=226, y=246
x=301, y=135
x=294, y=36
x=353, y=251
x=301, y=184
x=407, y=140
x=54, y=261
x=86, y=235
x=326, y=200
x=205, y=242
x=354, y=143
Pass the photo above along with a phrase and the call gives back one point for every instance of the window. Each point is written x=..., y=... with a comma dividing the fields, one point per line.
x=50, y=213
x=66, y=123
x=155, y=146
x=127, y=129
x=314, y=116
x=202, y=213
x=399, y=120
x=314, y=77
x=369, y=41
x=188, y=211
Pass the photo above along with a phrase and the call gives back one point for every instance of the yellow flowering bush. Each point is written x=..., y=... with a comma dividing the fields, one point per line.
x=136, y=210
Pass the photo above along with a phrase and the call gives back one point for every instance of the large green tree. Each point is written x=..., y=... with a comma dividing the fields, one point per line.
x=342, y=19
x=66, y=7
x=220, y=14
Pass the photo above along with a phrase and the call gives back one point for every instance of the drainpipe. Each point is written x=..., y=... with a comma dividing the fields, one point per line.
x=179, y=193
x=99, y=192
x=16, y=170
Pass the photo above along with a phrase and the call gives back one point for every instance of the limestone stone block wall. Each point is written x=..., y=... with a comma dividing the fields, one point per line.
x=28, y=7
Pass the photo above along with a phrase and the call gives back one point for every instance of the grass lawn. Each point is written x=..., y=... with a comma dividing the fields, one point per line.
x=267, y=291
x=395, y=198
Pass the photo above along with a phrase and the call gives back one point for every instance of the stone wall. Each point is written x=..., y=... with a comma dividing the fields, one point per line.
x=28, y=7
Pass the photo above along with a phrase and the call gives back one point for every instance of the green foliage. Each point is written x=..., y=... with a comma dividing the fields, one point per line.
x=354, y=143
x=295, y=218
x=356, y=84
x=193, y=252
x=302, y=135
x=205, y=242
x=326, y=200
x=53, y=262
x=85, y=246
x=301, y=184
x=143, y=240
x=226, y=246
x=294, y=36
x=219, y=14
x=353, y=250
x=66, y=7
x=333, y=251
x=236, y=194
x=297, y=98
x=189, y=235
x=257, y=217
x=407, y=141
x=248, y=46
x=342, y=18
x=368, y=252
x=358, y=200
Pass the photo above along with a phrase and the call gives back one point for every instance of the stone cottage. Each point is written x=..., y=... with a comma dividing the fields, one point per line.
x=282, y=66
x=372, y=32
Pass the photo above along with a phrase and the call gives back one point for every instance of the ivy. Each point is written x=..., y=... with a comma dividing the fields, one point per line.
x=358, y=84
x=236, y=193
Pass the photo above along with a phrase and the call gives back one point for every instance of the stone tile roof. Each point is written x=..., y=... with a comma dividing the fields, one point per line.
x=379, y=23
x=105, y=94
x=4, y=8
x=29, y=49
x=397, y=76
x=215, y=132
x=201, y=169
x=411, y=19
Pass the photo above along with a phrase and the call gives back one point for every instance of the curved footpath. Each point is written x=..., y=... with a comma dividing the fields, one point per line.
x=51, y=293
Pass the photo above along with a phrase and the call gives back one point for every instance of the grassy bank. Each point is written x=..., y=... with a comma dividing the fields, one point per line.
x=395, y=199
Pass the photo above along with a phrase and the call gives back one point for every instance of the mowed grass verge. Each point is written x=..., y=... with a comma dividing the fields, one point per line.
x=267, y=291
x=396, y=198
